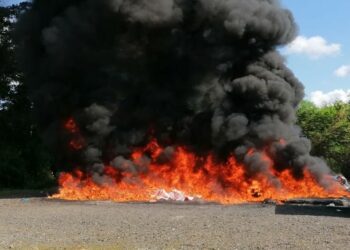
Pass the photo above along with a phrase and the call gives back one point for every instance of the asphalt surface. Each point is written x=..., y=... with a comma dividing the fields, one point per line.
x=50, y=224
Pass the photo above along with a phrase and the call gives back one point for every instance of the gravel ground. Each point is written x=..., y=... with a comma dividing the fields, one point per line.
x=50, y=224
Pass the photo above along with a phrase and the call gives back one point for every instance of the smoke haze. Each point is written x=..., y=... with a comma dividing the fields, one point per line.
x=204, y=74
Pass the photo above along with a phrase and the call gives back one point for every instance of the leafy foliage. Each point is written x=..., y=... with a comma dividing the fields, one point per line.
x=329, y=130
x=24, y=162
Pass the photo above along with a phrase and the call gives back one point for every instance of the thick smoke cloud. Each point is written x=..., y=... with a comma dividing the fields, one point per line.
x=204, y=74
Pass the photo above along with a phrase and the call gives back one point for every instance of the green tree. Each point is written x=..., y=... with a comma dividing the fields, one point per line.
x=328, y=128
x=24, y=162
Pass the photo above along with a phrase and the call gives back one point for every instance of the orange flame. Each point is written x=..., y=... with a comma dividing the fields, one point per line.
x=226, y=183
x=77, y=142
x=71, y=126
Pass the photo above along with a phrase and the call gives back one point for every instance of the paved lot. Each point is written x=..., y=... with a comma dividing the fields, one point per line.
x=49, y=224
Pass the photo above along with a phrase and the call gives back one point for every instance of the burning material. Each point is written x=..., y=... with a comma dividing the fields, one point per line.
x=226, y=183
x=342, y=181
x=136, y=96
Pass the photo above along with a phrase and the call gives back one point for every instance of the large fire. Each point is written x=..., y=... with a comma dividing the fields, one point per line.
x=226, y=183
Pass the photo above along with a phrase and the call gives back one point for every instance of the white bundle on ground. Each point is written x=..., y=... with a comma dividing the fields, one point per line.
x=174, y=195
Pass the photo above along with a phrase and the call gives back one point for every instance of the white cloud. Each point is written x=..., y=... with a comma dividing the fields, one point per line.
x=314, y=47
x=321, y=99
x=343, y=71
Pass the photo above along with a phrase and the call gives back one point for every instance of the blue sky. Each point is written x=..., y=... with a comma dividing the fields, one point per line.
x=330, y=20
x=8, y=2
x=315, y=61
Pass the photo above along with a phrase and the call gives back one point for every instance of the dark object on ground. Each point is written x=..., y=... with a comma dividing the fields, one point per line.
x=316, y=207
x=333, y=211
x=344, y=202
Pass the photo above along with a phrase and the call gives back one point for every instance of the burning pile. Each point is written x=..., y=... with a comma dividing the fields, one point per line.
x=153, y=171
x=144, y=95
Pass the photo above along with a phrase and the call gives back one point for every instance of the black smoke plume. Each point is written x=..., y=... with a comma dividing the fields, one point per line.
x=205, y=74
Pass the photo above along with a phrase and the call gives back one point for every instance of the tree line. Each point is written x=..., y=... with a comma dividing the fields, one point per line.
x=24, y=160
x=26, y=163
x=328, y=128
